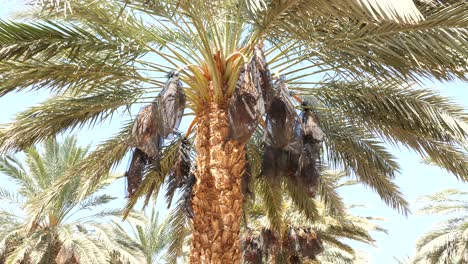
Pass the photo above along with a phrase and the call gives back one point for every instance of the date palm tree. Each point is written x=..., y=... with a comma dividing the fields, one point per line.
x=448, y=242
x=65, y=233
x=240, y=68
x=149, y=234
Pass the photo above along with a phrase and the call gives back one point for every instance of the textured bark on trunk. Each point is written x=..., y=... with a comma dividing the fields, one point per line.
x=217, y=200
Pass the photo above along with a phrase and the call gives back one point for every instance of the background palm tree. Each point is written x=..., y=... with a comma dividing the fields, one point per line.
x=72, y=231
x=149, y=234
x=448, y=242
x=351, y=59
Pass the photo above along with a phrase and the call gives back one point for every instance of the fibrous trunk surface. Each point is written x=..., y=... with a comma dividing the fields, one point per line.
x=217, y=200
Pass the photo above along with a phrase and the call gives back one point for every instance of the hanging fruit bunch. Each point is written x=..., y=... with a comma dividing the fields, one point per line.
x=153, y=124
x=295, y=245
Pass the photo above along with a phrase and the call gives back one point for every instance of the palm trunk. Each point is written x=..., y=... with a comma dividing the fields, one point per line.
x=217, y=200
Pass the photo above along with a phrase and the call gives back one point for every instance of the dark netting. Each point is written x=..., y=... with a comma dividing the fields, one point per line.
x=275, y=163
x=297, y=244
x=154, y=123
x=309, y=170
x=135, y=171
x=171, y=102
x=145, y=131
x=281, y=121
x=247, y=104
x=311, y=128
x=309, y=162
x=265, y=79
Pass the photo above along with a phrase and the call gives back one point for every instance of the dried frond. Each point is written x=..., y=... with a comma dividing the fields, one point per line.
x=180, y=172
x=182, y=166
x=188, y=195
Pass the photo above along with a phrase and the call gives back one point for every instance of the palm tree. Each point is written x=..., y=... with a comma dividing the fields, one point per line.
x=240, y=67
x=148, y=234
x=448, y=242
x=64, y=233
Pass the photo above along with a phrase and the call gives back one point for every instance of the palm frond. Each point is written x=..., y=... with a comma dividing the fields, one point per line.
x=446, y=156
x=8, y=197
x=328, y=192
x=44, y=40
x=301, y=200
x=61, y=76
x=37, y=168
x=61, y=113
x=382, y=106
x=333, y=241
x=272, y=202
x=351, y=148
x=177, y=231
x=127, y=251
x=447, y=242
x=20, y=253
x=385, y=49
x=155, y=175
x=444, y=202
x=11, y=167
x=281, y=15
x=336, y=255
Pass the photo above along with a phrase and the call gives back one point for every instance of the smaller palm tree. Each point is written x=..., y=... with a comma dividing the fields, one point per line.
x=448, y=242
x=149, y=235
x=70, y=231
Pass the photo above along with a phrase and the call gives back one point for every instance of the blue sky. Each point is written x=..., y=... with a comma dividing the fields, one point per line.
x=415, y=179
